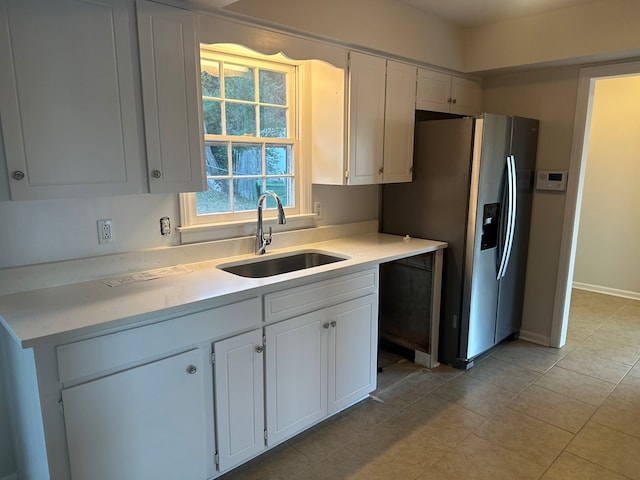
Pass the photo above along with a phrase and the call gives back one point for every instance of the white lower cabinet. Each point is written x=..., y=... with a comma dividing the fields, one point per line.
x=149, y=422
x=239, y=398
x=318, y=364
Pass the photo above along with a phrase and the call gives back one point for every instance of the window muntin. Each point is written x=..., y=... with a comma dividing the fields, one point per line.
x=250, y=132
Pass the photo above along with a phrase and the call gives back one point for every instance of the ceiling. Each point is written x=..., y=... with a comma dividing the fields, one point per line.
x=478, y=12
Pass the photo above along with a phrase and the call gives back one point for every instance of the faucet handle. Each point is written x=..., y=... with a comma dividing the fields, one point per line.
x=267, y=237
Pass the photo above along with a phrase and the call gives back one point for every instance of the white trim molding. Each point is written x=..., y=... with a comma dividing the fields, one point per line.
x=575, y=182
x=607, y=290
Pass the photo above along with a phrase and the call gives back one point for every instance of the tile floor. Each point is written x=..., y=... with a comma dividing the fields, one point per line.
x=524, y=412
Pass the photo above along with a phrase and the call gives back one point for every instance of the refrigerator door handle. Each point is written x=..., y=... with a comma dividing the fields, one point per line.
x=511, y=216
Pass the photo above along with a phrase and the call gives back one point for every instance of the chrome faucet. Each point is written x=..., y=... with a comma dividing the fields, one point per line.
x=262, y=239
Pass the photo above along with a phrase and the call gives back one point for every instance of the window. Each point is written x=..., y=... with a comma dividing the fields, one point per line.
x=251, y=136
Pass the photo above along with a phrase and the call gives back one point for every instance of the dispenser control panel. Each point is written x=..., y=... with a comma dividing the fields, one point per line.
x=551, y=180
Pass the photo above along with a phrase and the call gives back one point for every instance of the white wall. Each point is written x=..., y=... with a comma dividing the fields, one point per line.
x=607, y=255
x=388, y=26
x=605, y=29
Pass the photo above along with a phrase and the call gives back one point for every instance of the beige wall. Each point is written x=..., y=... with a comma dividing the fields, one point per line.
x=607, y=255
x=600, y=30
x=550, y=96
x=391, y=27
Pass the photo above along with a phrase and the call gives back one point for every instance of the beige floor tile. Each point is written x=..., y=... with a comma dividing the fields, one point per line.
x=439, y=419
x=369, y=444
x=617, y=352
x=479, y=459
x=476, y=395
x=635, y=371
x=570, y=467
x=554, y=408
x=594, y=366
x=620, y=415
x=283, y=462
x=533, y=439
x=374, y=410
x=528, y=355
x=339, y=465
x=576, y=385
x=396, y=372
x=586, y=320
x=614, y=332
x=628, y=389
x=326, y=438
x=413, y=387
x=590, y=302
x=609, y=448
x=503, y=375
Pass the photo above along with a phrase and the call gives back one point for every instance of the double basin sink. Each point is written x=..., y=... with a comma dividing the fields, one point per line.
x=280, y=264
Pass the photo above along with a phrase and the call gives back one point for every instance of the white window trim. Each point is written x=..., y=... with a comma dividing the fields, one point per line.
x=197, y=228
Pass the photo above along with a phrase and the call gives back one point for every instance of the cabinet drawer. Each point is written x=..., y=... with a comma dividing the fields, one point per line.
x=297, y=301
x=88, y=357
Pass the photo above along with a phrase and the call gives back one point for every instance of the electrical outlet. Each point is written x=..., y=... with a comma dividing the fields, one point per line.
x=317, y=210
x=105, y=231
x=165, y=226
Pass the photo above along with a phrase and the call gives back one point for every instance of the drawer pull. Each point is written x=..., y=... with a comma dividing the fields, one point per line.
x=191, y=369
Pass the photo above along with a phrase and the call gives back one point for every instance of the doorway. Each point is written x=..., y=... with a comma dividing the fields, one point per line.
x=577, y=170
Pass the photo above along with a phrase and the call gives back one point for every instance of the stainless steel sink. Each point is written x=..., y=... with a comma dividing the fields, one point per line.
x=280, y=264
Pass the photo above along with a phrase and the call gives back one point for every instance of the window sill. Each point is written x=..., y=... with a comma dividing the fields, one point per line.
x=221, y=231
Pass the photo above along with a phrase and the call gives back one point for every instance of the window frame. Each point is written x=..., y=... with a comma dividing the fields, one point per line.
x=302, y=184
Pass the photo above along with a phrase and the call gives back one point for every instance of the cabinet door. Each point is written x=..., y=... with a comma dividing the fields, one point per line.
x=147, y=423
x=366, y=118
x=239, y=396
x=296, y=375
x=353, y=347
x=170, y=66
x=434, y=91
x=71, y=116
x=466, y=94
x=399, y=120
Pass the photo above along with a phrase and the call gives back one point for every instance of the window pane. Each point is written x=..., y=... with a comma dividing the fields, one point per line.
x=278, y=160
x=215, y=199
x=216, y=159
x=239, y=82
x=273, y=87
x=212, y=117
x=245, y=193
x=210, y=78
x=273, y=122
x=241, y=119
x=283, y=187
x=247, y=159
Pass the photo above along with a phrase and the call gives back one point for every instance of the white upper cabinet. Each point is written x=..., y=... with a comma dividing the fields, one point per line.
x=441, y=92
x=71, y=105
x=169, y=63
x=70, y=116
x=379, y=110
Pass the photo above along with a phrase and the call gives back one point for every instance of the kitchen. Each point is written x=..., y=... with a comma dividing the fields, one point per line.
x=63, y=229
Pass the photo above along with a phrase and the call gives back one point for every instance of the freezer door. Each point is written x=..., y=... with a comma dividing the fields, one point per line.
x=488, y=180
x=523, y=148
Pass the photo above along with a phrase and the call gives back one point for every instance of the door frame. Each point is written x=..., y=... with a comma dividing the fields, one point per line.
x=575, y=184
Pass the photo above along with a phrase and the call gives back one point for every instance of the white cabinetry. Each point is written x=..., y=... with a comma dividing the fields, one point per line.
x=71, y=103
x=149, y=422
x=441, y=92
x=239, y=398
x=320, y=362
x=70, y=111
x=380, y=112
x=170, y=66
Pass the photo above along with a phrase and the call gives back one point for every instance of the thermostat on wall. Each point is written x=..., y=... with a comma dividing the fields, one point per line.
x=551, y=180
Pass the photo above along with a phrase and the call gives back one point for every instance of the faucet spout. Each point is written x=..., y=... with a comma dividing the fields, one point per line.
x=262, y=239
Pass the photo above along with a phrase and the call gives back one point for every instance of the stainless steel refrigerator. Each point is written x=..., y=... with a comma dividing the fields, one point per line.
x=472, y=187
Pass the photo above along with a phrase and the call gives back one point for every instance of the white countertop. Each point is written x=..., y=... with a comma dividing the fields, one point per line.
x=60, y=313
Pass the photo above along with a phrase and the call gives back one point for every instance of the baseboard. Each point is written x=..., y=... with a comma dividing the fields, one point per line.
x=13, y=476
x=607, y=290
x=535, y=338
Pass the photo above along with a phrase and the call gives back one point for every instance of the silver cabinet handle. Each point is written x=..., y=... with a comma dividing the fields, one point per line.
x=259, y=348
x=156, y=173
x=191, y=369
x=326, y=325
x=18, y=175
x=333, y=324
